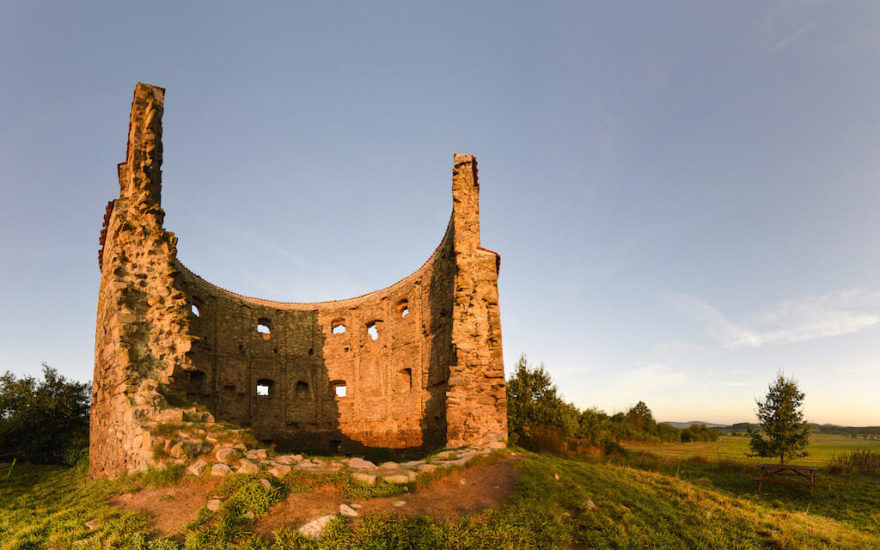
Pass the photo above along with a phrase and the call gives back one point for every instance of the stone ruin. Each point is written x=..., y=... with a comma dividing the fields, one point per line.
x=186, y=370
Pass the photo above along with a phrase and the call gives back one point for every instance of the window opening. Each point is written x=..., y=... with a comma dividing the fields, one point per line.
x=404, y=380
x=302, y=391
x=196, y=379
x=339, y=388
x=373, y=331
x=264, y=328
x=264, y=387
x=195, y=310
x=338, y=328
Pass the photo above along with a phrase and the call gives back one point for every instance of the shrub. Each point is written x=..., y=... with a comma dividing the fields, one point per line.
x=862, y=459
x=544, y=439
x=45, y=420
x=699, y=432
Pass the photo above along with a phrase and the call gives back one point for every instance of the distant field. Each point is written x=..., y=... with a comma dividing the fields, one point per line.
x=822, y=448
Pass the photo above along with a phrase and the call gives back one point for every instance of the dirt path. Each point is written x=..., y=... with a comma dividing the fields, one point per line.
x=446, y=499
x=170, y=508
x=462, y=492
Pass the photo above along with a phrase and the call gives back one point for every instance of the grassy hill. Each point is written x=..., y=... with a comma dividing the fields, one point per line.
x=634, y=500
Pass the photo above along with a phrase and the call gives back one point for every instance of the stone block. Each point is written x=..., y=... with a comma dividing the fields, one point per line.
x=362, y=477
x=246, y=467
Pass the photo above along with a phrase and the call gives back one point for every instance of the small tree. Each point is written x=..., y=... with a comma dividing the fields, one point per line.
x=782, y=421
x=537, y=416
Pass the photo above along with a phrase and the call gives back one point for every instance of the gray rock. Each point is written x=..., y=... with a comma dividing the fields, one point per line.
x=279, y=470
x=214, y=504
x=360, y=464
x=427, y=468
x=458, y=461
x=347, y=510
x=397, y=478
x=446, y=455
x=220, y=470
x=197, y=467
x=369, y=479
x=257, y=454
x=225, y=454
x=315, y=528
x=247, y=467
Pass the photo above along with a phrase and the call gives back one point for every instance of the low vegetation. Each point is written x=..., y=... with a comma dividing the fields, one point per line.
x=539, y=419
x=628, y=499
x=861, y=459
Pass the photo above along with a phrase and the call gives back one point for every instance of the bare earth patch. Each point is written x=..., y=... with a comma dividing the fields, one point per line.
x=445, y=499
x=170, y=508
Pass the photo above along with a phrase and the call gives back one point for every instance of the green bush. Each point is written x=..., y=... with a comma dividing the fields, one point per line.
x=699, y=432
x=46, y=421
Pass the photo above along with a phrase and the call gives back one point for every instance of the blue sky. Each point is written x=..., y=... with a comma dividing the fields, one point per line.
x=684, y=194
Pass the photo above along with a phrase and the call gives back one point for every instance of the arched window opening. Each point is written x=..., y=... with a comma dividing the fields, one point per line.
x=339, y=388
x=337, y=327
x=403, y=380
x=264, y=327
x=195, y=310
x=195, y=382
x=302, y=391
x=403, y=308
x=373, y=330
x=264, y=387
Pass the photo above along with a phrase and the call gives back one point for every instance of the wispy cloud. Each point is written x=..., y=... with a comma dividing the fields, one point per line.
x=789, y=39
x=811, y=318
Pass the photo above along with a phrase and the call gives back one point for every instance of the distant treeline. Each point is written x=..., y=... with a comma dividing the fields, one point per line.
x=864, y=432
x=540, y=419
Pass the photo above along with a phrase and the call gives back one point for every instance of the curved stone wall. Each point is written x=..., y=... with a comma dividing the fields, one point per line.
x=335, y=376
x=414, y=366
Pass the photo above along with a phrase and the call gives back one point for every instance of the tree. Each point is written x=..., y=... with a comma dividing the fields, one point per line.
x=532, y=399
x=641, y=420
x=782, y=422
x=43, y=419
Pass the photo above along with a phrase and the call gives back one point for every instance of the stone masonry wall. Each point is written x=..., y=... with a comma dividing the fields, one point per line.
x=415, y=366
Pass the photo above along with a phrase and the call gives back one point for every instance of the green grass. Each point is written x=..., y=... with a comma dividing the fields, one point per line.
x=822, y=448
x=637, y=500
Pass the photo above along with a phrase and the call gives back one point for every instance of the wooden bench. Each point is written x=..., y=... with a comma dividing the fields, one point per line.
x=788, y=474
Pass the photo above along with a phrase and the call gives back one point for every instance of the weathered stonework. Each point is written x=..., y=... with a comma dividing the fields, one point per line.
x=417, y=366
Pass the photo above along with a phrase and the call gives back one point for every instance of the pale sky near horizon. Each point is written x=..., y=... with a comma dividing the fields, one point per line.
x=684, y=195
